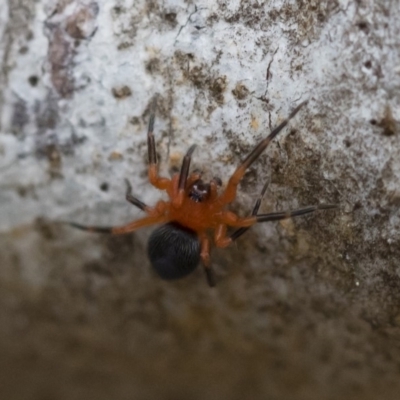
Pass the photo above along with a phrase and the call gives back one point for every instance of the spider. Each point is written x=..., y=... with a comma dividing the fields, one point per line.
x=194, y=209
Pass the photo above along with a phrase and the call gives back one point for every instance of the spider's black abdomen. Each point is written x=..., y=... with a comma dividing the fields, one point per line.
x=174, y=251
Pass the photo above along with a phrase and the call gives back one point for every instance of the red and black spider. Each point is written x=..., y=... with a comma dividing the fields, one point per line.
x=193, y=210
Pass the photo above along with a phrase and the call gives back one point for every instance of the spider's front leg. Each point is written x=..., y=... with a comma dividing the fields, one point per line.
x=230, y=192
x=154, y=178
x=178, y=191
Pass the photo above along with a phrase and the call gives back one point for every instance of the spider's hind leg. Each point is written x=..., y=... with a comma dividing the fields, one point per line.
x=93, y=229
x=205, y=258
x=277, y=216
x=239, y=232
x=124, y=229
x=132, y=199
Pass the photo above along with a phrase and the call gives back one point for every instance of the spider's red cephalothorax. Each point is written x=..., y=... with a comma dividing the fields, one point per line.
x=194, y=209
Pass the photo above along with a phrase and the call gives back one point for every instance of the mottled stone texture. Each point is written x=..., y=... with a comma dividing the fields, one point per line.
x=305, y=309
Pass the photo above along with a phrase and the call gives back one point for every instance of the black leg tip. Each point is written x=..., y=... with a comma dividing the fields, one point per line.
x=210, y=277
x=328, y=206
x=128, y=186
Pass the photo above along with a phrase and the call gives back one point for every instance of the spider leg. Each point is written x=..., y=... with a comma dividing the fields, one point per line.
x=133, y=200
x=230, y=192
x=213, y=190
x=155, y=180
x=232, y=220
x=183, y=177
x=120, y=230
x=239, y=232
x=205, y=258
x=193, y=177
x=277, y=216
x=93, y=229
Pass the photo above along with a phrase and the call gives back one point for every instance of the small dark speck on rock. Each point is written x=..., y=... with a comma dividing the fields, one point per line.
x=20, y=117
x=170, y=17
x=388, y=123
x=121, y=92
x=347, y=142
x=240, y=91
x=118, y=10
x=368, y=64
x=124, y=45
x=134, y=121
x=104, y=187
x=33, y=80
x=153, y=65
x=363, y=26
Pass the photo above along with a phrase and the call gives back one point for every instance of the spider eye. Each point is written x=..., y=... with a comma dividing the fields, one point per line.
x=199, y=191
